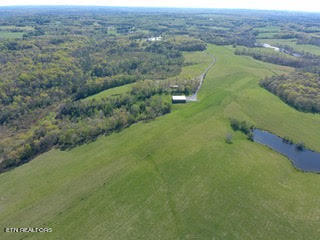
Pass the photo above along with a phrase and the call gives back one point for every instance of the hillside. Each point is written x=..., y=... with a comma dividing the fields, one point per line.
x=175, y=177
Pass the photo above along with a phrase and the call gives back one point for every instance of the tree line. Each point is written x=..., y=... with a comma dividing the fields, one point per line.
x=298, y=89
x=78, y=122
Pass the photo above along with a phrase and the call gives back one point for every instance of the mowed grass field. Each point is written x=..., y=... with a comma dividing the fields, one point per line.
x=175, y=177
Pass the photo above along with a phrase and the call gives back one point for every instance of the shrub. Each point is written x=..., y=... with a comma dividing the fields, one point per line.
x=243, y=126
x=229, y=138
x=300, y=146
x=235, y=124
x=250, y=136
x=287, y=140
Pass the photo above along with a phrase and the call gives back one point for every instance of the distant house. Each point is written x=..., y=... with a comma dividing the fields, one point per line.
x=179, y=99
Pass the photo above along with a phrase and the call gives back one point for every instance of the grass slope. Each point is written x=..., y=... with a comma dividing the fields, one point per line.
x=111, y=92
x=175, y=177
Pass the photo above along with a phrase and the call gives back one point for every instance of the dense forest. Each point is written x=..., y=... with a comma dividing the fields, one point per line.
x=287, y=56
x=298, y=89
x=272, y=57
x=58, y=61
x=52, y=59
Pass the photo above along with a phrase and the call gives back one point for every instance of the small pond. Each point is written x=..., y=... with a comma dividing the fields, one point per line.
x=303, y=159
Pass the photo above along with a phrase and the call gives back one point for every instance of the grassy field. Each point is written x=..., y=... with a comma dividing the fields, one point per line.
x=274, y=29
x=10, y=35
x=267, y=32
x=196, y=63
x=111, y=92
x=175, y=177
x=112, y=31
x=292, y=43
x=12, y=27
x=6, y=32
x=265, y=35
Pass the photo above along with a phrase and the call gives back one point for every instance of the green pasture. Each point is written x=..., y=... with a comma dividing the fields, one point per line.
x=176, y=177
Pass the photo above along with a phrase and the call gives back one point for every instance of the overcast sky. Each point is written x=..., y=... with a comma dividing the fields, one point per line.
x=298, y=5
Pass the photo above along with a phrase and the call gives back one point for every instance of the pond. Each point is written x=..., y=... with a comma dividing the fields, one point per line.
x=303, y=159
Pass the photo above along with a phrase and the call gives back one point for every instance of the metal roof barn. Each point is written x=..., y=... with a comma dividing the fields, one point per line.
x=179, y=99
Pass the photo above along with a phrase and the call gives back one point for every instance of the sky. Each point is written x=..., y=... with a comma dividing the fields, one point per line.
x=292, y=5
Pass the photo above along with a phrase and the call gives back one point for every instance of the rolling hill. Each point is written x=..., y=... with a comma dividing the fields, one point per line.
x=176, y=177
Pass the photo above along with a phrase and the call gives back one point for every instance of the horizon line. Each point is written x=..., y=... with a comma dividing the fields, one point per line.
x=156, y=7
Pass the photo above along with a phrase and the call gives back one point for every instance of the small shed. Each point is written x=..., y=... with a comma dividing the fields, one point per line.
x=174, y=86
x=179, y=99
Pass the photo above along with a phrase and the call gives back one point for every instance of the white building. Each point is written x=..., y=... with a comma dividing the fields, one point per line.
x=153, y=39
x=179, y=99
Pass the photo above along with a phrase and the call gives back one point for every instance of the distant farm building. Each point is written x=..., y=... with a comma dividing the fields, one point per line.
x=154, y=39
x=174, y=86
x=179, y=99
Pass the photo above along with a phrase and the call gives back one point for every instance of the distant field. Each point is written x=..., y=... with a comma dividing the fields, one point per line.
x=197, y=63
x=5, y=32
x=112, y=91
x=266, y=35
x=176, y=177
x=292, y=43
x=10, y=35
x=219, y=28
x=112, y=31
x=26, y=28
x=267, y=32
x=268, y=29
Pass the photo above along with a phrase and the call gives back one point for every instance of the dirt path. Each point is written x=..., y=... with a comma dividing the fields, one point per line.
x=193, y=97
